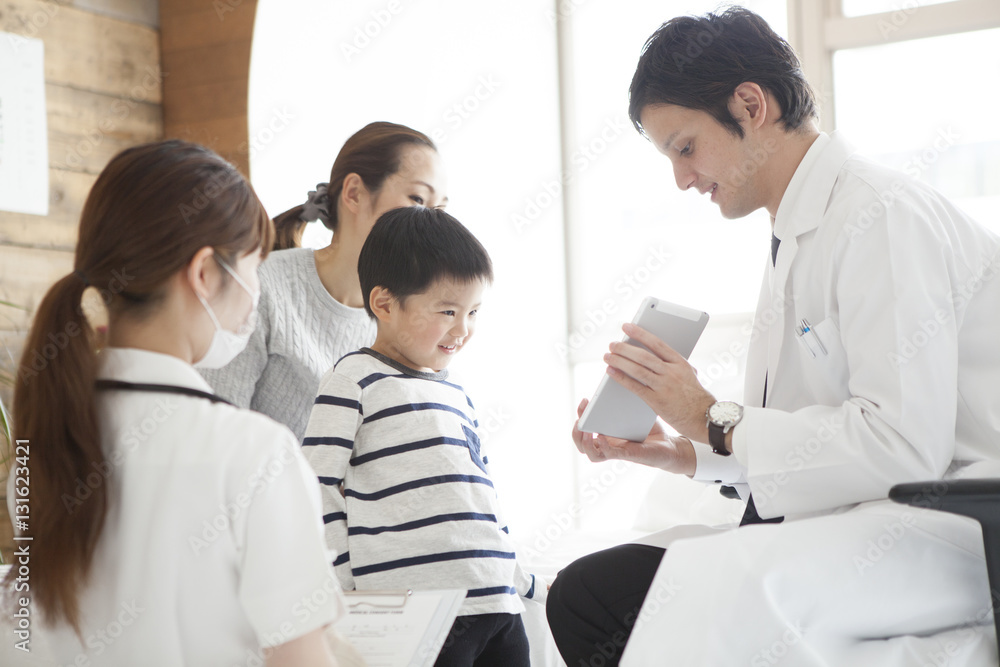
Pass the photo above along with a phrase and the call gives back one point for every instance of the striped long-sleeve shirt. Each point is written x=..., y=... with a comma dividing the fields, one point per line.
x=418, y=509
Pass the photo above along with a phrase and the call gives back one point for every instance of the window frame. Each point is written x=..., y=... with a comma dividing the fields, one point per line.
x=818, y=28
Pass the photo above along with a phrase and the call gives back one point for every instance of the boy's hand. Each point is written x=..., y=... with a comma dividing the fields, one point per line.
x=659, y=450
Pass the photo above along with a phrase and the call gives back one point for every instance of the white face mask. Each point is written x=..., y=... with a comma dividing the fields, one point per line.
x=226, y=345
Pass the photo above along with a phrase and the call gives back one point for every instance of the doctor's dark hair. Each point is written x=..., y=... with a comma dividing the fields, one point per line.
x=697, y=62
x=374, y=153
x=151, y=209
x=410, y=248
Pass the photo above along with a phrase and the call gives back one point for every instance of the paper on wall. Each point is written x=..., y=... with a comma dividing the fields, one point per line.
x=24, y=150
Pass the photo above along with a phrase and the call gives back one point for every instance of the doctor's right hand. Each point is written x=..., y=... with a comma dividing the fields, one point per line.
x=659, y=450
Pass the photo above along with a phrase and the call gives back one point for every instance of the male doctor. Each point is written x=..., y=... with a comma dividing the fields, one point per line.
x=874, y=360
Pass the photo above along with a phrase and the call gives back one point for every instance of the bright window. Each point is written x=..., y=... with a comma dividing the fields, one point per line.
x=486, y=80
x=480, y=79
x=928, y=112
x=903, y=7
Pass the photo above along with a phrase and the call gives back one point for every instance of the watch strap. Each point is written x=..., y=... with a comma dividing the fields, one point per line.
x=717, y=438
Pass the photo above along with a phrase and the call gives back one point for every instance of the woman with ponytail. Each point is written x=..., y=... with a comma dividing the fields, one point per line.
x=311, y=305
x=164, y=526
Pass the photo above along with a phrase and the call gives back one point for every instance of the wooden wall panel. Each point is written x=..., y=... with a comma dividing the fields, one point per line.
x=103, y=93
x=206, y=62
x=143, y=12
x=87, y=129
x=58, y=230
x=87, y=51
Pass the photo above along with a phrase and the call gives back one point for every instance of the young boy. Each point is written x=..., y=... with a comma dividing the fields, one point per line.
x=407, y=496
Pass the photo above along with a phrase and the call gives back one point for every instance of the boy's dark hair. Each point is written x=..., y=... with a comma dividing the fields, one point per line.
x=410, y=248
x=697, y=62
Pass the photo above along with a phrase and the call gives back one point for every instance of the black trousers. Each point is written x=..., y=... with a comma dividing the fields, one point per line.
x=486, y=640
x=594, y=603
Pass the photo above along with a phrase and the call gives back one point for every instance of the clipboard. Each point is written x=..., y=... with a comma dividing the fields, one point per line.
x=399, y=628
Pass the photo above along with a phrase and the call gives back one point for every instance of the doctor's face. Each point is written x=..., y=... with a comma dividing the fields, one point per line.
x=707, y=157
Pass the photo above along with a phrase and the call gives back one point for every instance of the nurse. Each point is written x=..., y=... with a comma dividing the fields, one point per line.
x=164, y=526
x=874, y=351
x=311, y=306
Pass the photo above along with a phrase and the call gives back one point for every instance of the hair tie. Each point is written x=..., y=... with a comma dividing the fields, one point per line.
x=79, y=274
x=317, y=206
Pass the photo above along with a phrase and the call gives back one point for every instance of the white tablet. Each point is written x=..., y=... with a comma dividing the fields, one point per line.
x=614, y=410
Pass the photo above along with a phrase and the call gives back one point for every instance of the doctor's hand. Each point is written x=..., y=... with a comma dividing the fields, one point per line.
x=663, y=379
x=659, y=450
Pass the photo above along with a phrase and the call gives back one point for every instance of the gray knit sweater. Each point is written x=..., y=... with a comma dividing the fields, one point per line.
x=301, y=333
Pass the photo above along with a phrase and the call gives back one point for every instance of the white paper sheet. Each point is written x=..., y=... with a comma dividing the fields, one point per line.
x=24, y=150
x=388, y=633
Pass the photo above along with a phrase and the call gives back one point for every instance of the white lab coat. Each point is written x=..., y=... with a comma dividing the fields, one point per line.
x=897, y=284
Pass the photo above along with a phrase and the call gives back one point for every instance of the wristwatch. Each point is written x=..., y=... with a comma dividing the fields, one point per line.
x=720, y=418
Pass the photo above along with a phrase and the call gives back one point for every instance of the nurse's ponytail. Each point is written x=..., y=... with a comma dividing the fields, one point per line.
x=373, y=153
x=55, y=421
x=151, y=209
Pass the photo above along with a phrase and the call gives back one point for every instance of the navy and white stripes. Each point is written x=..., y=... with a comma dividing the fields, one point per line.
x=407, y=498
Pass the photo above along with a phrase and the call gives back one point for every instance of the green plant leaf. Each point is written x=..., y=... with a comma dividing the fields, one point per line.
x=14, y=305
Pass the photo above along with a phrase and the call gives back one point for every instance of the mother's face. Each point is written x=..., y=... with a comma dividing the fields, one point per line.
x=420, y=181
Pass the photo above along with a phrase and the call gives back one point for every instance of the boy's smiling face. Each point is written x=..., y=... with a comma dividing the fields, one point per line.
x=429, y=328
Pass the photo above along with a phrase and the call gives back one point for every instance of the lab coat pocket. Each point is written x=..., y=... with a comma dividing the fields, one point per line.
x=821, y=345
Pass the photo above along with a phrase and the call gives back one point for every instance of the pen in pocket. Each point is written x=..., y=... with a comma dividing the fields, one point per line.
x=809, y=337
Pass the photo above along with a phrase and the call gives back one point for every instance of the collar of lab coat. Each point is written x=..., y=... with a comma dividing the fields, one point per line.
x=801, y=210
x=144, y=366
x=805, y=199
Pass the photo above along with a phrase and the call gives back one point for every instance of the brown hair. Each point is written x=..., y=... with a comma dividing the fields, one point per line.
x=697, y=62
x=373, y=153
x=151, y=209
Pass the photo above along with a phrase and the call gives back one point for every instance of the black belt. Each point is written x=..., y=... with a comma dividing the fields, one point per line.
x=159, y=389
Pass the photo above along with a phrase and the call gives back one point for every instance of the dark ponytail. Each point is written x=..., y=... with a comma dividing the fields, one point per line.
x=151, y=209
x=373, y=153
x=288, y=228
x=57, y=370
